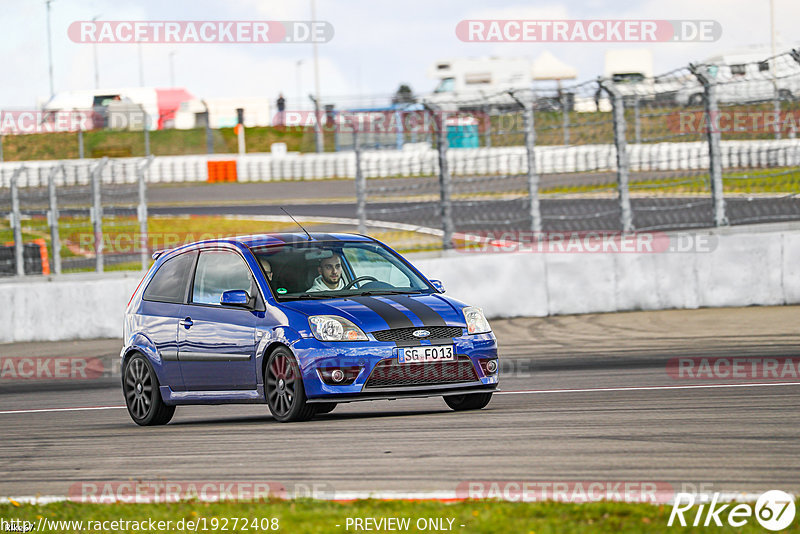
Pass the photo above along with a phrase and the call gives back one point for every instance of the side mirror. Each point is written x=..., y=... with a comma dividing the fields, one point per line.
x=235, y=297
x=438, y=285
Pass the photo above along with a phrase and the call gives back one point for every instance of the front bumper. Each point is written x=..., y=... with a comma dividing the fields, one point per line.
x=312, y=354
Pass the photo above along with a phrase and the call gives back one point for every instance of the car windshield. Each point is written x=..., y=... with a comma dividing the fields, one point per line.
x=330, y=269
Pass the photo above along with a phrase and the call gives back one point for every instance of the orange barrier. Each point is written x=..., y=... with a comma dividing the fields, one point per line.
x=222, y=171
x=43, y=255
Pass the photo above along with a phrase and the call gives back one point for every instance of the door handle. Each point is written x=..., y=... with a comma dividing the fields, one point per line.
x=186, y=323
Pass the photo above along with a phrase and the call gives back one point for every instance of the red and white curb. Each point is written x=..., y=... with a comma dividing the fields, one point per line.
x=349, y=496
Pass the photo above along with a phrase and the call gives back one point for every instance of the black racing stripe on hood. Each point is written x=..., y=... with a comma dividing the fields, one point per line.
x=427, y=315
x=393, y=317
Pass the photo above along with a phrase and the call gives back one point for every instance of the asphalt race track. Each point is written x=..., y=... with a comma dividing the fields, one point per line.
x=336, y=198
x=584, y=398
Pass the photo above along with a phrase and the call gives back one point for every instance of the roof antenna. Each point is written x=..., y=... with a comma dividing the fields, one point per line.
x=298, y=224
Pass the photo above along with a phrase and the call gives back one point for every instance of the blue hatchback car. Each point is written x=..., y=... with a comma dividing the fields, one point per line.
x=301, y=322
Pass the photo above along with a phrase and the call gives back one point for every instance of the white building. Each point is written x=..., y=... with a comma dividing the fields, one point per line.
x=222, y=112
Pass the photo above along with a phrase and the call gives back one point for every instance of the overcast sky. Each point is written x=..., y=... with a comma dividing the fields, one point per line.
x=377, y=44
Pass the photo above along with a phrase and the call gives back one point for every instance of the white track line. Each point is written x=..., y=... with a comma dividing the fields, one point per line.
x=75, y=409
x=520, y=392
x=344, y=221
x=646, y=388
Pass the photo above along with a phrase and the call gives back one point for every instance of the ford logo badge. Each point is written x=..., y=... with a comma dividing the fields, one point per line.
x=421, y=333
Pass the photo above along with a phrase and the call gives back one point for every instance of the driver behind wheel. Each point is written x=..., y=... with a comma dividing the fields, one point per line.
x=330, y=275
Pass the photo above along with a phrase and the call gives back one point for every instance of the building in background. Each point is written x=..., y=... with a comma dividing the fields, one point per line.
x=124, y=108
x=222, y=112
x=488, y=79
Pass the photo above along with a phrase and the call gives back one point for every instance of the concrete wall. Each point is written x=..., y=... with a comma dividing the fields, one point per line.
x=758, y=265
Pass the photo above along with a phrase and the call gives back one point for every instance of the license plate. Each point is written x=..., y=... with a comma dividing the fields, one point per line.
x=437, y=353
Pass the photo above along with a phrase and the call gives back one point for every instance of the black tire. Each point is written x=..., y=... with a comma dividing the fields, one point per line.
x=475, y=401
x=324, y=407
x=142, y=396
x=283, y=387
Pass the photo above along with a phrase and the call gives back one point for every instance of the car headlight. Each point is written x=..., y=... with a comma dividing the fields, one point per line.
x=334, y=328
x=476, y=322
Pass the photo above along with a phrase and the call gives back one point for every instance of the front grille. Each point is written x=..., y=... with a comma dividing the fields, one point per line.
x=407, y=334
x=389, y=373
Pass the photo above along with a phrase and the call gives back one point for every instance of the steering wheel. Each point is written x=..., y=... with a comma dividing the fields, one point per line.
x=360, y=279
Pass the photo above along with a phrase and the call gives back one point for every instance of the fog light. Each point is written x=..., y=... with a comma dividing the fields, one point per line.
x=339, y=376
x=489, y=366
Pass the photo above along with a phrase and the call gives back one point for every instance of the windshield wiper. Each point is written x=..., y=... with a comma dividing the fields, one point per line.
x=312, y=296
x=378, y=292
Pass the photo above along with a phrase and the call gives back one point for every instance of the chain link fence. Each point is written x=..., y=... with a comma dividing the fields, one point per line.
x=705, y=145
x=701, y=146
x=74, y=216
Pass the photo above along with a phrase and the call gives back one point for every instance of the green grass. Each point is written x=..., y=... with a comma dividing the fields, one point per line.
x=656, y=124
x=785, y=180
x=121, y=235
x=99, y=143
x=310, y=516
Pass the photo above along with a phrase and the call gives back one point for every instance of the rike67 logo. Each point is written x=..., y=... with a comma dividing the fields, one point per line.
x=774, y=510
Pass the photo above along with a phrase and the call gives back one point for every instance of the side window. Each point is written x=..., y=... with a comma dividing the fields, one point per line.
x=169, y=282
x=369, y=263
x=738, y=70
x=219, y=271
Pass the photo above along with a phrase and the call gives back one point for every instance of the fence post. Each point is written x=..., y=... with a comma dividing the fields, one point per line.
x=533, y=175
x=319, y=139
x=714, y=138
x=488, y=136
x=637, y=121
x=446, y=207
x=795, y=53
x=623, y=164
x=146, y=134
x=361, y=185
x=80, y=142
x=97, y=213
x=52, y=218
x=776, y=108
x=529, y=121
x=16, y=224
x=564, y=116
x=141, y=212
x=1, y=148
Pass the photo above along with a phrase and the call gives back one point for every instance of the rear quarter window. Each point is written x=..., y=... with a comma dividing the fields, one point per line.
x=169, y=282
